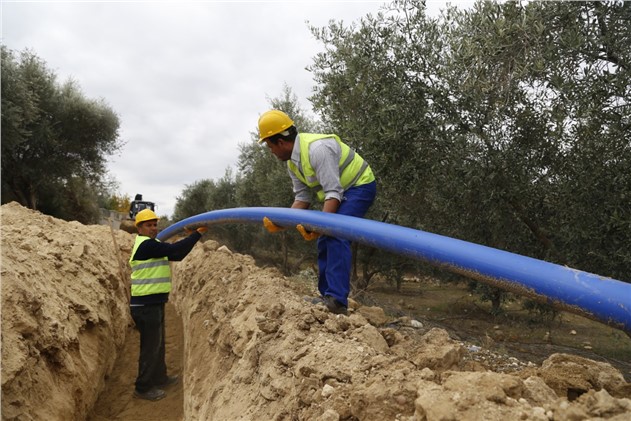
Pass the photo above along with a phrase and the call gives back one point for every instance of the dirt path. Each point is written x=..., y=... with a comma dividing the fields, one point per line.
x=452, y=307
x=117, y=402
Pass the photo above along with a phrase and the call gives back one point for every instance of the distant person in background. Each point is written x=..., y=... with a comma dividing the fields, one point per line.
x=339, y=177
x=150, y=287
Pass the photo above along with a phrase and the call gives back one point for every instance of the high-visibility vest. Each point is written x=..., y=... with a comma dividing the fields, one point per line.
x=354, y=171
x=152, y=276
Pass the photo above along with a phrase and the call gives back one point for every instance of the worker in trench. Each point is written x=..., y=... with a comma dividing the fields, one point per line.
x=150, y=287
x=339, y=177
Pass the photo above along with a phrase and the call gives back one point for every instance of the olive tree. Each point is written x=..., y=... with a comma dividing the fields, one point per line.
x=506, y=124
x=55, y=141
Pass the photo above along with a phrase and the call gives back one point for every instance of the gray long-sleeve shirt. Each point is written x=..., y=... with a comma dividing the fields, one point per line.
x=324, y=156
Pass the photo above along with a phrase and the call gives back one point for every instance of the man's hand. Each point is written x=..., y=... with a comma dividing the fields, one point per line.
x=200, y=230
x=270, y=226
x=307, y=235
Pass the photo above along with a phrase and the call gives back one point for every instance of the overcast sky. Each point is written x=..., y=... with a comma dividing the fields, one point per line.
x=188, y=79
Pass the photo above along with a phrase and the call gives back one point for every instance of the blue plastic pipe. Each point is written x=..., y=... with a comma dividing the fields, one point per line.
x=599, y=298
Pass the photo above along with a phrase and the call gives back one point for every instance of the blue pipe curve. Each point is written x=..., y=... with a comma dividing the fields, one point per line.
x=597, y=297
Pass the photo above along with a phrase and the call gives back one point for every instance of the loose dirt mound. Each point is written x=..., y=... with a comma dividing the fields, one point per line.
x=64, y=314
x=254, y=350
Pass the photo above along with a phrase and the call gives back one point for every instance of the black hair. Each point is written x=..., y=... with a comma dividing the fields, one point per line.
x=290, y=137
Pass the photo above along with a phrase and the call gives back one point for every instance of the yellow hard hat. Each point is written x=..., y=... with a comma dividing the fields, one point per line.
x=146, y=215
x=273, y=122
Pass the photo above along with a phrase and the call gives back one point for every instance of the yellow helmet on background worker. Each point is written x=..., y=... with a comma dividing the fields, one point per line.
x=273, y=122
x=146, y=215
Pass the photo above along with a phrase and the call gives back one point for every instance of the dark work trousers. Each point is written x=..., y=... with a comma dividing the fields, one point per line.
x=334, y=254
x=152, y=370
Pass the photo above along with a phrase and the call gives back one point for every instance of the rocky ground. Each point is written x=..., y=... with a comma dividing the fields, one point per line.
x=252, y=348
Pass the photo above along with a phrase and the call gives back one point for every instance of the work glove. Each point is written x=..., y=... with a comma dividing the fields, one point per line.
x=270, y=226
x=307, y=235
x=200, y=230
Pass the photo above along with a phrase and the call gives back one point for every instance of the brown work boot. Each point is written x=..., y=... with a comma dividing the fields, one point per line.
x=154, y=394
x=334, y=306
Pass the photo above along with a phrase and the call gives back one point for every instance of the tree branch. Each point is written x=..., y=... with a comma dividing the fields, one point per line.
x=609, y=55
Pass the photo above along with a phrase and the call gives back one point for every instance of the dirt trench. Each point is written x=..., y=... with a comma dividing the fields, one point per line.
x=252, y=348
x=116, y=401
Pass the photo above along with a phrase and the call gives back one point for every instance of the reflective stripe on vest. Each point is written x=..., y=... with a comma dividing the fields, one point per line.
x=354, y=171
x=152, y=276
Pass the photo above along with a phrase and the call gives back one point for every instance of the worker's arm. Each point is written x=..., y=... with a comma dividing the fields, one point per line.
x=331, y=205
x=299, y=204
x=151, y=249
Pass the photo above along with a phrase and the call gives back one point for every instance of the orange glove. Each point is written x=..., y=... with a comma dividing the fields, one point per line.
x=307, y=235
x=270, y=226
x=200, y=230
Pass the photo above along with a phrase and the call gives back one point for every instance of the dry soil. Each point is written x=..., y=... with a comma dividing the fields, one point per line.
x=247, y=345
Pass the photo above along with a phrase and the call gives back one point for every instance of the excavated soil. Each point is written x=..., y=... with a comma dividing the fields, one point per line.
x=252, y=348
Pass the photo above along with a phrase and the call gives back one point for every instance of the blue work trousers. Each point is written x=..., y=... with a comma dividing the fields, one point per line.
x=334, y=254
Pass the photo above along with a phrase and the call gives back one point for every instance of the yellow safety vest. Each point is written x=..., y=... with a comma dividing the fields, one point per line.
x=152, y=276
x=354, y=171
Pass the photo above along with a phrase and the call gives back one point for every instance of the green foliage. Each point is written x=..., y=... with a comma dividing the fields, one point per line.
x=206, y=195
x=120, y=203
x=507, y=124
x=54, y=140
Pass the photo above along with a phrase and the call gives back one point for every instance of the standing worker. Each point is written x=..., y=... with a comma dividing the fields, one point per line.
x=150, y=287
x=339, y=177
